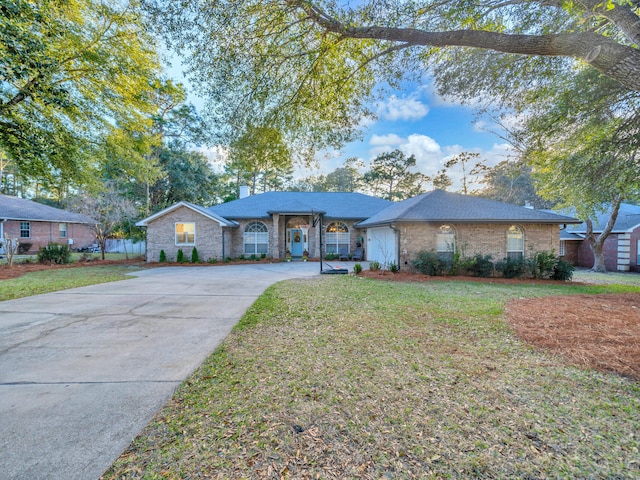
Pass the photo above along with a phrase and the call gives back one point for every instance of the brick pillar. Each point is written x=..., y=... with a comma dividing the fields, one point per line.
x=275, y=237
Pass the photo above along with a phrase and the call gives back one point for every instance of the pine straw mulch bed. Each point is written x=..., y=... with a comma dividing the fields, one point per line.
x=590, y=331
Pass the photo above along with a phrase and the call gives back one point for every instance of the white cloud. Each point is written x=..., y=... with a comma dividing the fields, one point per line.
x=404, y=108
x=391, y=139
x=431, y=156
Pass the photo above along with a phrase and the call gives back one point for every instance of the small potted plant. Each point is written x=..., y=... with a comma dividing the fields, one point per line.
x=305, y=256
x=288, y=256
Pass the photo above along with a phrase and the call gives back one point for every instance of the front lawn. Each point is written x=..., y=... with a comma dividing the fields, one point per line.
x=53, y=280
x=343, y=377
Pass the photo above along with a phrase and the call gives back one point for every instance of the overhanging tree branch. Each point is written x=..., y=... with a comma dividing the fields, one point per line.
x=618, y=61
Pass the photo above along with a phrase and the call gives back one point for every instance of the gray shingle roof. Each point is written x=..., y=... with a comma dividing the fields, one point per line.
x=628, y=219
x=203, y=211
x=14, y=208
x=441, y=206
x=354, y=206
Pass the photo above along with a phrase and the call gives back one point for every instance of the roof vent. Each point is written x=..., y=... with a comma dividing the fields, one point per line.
x=528, y=205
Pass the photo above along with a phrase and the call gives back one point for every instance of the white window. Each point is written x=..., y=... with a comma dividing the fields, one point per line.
x=515, y=242
x=446, y=241
x=561, y=253
x=185, y=233
x=256, y=239
x=337, y=240
x=63, y=230
x=25, y=230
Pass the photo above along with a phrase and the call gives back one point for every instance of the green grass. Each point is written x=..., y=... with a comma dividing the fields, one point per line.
x=629, y=278
x=46, y=281
x=344, y=377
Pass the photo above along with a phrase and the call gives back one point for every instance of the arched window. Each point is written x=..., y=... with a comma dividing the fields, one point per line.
x=515, y=242
x=337, y=240
x=256, y=238
x=446, y=241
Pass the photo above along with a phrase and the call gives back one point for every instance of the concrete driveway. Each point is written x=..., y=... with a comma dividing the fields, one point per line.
x=82, y=371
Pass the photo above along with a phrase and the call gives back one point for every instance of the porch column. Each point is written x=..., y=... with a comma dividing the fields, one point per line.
x=624, y=252
x=275, y=237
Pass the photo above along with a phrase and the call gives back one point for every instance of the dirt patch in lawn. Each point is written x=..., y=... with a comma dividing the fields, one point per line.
x=589, y=331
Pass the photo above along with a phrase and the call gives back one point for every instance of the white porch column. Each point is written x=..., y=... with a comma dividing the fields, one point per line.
x=624, y=252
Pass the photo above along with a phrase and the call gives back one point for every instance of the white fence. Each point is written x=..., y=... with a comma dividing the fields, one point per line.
x=126, y=246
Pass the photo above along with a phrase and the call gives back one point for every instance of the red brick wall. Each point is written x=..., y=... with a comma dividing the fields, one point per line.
x=43, y=233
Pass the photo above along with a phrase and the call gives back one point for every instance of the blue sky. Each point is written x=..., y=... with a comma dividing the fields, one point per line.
x=415, y=120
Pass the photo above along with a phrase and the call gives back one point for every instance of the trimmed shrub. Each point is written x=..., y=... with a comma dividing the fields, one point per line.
x=357, y=268
x=194, y=256
x=482, y=265
x=212, y=260
x=542, y=264
x=430, y=263
x=163, y=256
x=54, y=253
x=374, y=266
x=393, y=268
x=563, y=270
x=180, y=258
x=24, y=247
x=512, y=267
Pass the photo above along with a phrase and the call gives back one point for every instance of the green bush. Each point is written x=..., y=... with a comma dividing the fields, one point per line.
x=375, y=266
x=393, y=268
x=482, y=265
x=512, y=267
x=194, y=256
x=542, y=264
x=24, y=247
x=180, y=258
x=263, y=256
x=330, y=256
x=563, y=270
x=212, y=260
x=357, y=268
x=54, y=253
x=430, y=263
x=163, y=256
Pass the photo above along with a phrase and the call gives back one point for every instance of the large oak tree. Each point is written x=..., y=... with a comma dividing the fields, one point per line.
x=75, y=76
x=310, y=67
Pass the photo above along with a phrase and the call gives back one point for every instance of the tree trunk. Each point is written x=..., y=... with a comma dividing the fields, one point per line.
x=597, y=243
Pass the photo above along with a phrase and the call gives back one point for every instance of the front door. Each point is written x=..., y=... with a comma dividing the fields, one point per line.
x=297, y=242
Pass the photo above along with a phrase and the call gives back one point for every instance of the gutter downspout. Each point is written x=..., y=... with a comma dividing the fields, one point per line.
x=397, y=252
x=223, y=230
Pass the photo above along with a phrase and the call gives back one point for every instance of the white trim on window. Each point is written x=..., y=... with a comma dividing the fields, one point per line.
x=515, y=242
x=62, y=229
x=337, y=238
x=256, y=239
x=25, y=230
x=185, y=233
x=446, y=239
x=562, y=248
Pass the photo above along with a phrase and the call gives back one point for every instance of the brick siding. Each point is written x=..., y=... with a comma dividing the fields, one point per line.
x=208, y=236
x=485, y=239
x=42, y=233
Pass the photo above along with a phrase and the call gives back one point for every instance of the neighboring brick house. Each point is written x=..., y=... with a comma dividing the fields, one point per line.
x=446, y=222
x=37, y=224
x=275, y=223
x=621, y=248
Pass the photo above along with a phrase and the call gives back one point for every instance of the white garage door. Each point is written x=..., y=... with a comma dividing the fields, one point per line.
x=381, y=245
